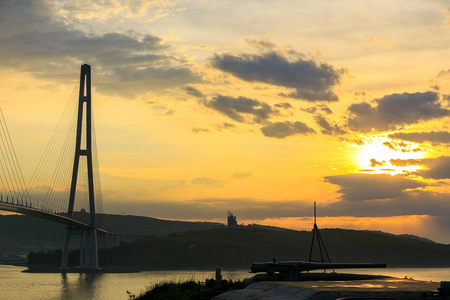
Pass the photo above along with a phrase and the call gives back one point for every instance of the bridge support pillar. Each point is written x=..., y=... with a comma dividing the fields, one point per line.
x=82, y=249
x=88, y=248
x=88, y=255
x=65, y=255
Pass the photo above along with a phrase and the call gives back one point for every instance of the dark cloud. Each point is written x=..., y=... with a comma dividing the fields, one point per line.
x=374, y=163
x=405, y=162
x=285, y=105
x=433, y=137
x=437, y=168
x=193, y=91
x=310, y=110
x=237, y=108
x=389, y=145
x=314, y=109
x=394, y=111
x=435, y=87
x=327, y=128
x=418, y=203
x=401, y=146
x=443, y=73
x=225, y=126
x=361, y=187
x=213, y=208
x=34, y=40
x=199, y=130
x=311, y=80
x=281, y=130
x=326, y=110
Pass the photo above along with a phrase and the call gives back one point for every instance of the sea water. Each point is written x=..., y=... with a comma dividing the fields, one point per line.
x=15, y=284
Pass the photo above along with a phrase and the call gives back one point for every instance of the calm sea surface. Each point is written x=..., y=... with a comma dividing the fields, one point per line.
x=17, y=285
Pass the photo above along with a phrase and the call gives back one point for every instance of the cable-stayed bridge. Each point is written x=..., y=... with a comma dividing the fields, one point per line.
x=66, y=178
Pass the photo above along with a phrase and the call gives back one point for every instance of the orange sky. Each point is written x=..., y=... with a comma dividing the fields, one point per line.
x=255, y=107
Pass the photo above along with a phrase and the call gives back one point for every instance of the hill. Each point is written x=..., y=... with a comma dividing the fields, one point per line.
x=22, y=234
x=239, y=247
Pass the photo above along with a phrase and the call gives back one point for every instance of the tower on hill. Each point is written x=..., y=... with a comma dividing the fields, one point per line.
x=232, y=220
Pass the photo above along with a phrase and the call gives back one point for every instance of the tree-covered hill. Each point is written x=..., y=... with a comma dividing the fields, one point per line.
x=239, y=247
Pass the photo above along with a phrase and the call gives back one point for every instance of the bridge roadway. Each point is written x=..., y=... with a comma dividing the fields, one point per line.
x=48, y=216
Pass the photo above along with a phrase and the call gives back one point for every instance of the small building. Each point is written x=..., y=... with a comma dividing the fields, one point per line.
x=232, y=220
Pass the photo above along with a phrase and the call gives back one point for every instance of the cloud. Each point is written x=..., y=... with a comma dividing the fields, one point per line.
x=443, y=73
x=311, y=80
x=199, y=130
x=237, y=108
x=206, y=181
x=102, y=10
x=405, y=162
x=323, y=108
x=389, y=145
x=310, y=110
x=36, y=41
x=362, y=187
x=394, y=111
x=447, y=11
x=193, y=91
x=433, y=137
x=281, y=130
x=225, y=126
x=262, y=44
x=285, y=105
x=385, y=43
x=374, y=163
x=326, y=110
x=241, y=175
x=327, y=128
x=437, y=168
x=418, y=203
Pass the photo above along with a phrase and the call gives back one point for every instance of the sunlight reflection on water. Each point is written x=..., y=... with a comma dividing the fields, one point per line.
x=17, y=285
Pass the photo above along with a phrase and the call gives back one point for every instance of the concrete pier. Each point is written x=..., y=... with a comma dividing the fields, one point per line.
x=386, y=288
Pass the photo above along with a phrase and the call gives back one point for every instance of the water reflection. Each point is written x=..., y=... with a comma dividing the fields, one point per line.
x=80, y=286
x=53, y=286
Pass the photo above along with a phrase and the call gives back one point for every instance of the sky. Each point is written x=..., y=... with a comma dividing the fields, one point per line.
x=255, y=107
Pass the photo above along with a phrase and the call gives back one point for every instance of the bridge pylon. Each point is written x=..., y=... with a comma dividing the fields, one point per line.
x=88, y=239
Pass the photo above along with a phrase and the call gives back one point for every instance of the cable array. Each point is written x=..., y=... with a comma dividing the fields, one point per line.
x=50, y=184
x=13, y=187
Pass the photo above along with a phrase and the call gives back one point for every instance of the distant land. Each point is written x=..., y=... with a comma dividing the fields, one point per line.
x=237, y=248
x=22, y=234
x=206, y=245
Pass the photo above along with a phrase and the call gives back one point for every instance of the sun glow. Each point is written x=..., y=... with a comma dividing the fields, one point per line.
x=375, y=156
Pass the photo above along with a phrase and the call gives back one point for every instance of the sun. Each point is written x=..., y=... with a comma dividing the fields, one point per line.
x=376, y=154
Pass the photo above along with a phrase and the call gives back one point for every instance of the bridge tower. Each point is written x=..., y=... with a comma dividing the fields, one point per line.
x=88, y=239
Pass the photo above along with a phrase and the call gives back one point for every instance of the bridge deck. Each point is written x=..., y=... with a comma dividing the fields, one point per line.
x=46, y=215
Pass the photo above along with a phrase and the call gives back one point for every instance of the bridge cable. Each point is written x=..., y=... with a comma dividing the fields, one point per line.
x=18, y=171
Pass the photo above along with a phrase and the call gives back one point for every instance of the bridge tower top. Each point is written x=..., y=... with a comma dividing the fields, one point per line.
x=90, y=256
x=84, y=103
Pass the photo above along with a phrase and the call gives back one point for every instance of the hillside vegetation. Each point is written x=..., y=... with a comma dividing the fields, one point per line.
x=22, y=234
x=239, y=247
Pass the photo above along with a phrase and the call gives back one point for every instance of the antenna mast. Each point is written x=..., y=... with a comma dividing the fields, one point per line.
x=319, y=241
